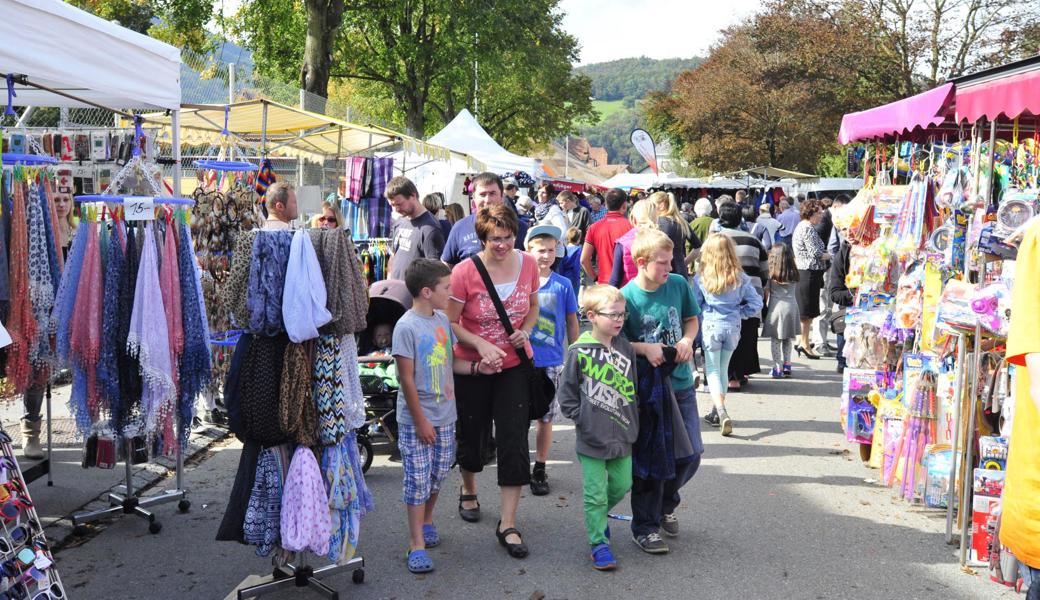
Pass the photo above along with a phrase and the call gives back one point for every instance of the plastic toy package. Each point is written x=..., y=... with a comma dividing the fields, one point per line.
x=993, y=452
x=865, y=347
x=955, y=312
x=910, y=298
x=860, y=402
x=938, y=463
x=992, y=304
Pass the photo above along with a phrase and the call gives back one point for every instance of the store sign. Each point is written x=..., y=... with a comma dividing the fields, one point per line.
x=571, y=186
x=139, y=208
x=644, y=144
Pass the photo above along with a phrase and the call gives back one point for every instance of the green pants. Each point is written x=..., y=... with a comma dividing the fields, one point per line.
x=604, y=484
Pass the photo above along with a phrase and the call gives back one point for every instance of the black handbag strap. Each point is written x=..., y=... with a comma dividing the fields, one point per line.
x=502, y=316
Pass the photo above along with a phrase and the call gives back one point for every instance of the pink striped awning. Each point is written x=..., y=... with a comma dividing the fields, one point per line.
x=900, y=118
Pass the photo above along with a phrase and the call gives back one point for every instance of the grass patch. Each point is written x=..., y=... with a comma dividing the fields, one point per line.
x=607, y=107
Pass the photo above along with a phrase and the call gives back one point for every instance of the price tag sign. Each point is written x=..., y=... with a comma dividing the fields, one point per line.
x=139, y=208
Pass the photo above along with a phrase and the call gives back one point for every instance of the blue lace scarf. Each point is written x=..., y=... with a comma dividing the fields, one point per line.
x=108, y=362
x=65, y=301
x=195, y=369
x=128, y=414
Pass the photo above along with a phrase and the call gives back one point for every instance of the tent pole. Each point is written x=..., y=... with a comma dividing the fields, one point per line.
x=175, y=123
x=263, y=131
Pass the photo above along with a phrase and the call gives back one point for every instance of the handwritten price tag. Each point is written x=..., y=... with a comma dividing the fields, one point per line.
x=139, y=208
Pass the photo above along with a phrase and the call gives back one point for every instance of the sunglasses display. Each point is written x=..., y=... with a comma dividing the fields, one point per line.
x=26, y=564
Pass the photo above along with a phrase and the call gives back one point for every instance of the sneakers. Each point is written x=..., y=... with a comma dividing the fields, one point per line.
x=651, y=543
x=670, y=525
x=539, y=482
x=712, y=418
x=603, y=558
x=777, y=373
x=726, y=423
x=787, y=370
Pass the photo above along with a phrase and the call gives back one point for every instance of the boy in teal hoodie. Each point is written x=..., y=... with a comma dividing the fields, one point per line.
x=598, y=392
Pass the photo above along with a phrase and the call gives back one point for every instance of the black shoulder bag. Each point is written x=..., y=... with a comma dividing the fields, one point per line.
x=542, y=389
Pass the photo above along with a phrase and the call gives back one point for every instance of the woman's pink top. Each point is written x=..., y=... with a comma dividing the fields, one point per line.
x=631, y=270
x=478, y=311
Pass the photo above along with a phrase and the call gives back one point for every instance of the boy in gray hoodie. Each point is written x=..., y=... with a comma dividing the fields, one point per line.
x=598, y=391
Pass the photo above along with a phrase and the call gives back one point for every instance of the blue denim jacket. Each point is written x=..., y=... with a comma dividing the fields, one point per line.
x=731, y=306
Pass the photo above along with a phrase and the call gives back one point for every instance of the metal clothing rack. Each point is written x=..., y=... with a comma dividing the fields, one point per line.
x=304, y=576
x=126, y=501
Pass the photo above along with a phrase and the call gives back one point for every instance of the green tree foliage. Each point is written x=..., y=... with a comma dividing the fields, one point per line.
x=633, y=78
x=420, y=62
x=177, y=22
x=615, y=134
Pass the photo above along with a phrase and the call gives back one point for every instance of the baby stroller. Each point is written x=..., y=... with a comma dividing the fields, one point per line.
x=388, y=301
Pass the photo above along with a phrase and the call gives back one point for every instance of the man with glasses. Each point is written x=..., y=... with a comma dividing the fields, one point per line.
x=417, y=234
x=462, y=241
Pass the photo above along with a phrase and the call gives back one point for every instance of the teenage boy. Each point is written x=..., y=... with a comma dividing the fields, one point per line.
x=557, y=316
x=597, y=391
x=422, y=345
x=662, y=311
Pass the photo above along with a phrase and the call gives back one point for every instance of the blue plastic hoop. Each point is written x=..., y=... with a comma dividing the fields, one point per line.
x=28, y=159
x=226, y=165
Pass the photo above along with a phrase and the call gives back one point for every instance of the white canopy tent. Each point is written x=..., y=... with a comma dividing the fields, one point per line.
x=642, y=181
x=96, y=63
x=465, y=135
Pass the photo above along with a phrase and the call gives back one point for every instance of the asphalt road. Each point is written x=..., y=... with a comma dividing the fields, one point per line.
x=782, y=509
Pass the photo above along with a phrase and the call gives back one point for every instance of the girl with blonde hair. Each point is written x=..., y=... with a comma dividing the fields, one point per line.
x=726, y=296
x=643, y=215
x=671, y=221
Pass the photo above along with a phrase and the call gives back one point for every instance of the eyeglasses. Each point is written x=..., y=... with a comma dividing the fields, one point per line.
x=498, y=241
x=621, y=316
x=328, y=220
x=53, y=592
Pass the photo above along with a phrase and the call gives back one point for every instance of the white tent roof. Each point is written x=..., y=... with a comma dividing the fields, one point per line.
x=465, y=135
x=642, y=181
x=59, y=46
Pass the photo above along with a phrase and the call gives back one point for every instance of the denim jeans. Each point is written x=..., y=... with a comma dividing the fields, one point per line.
x=1034, y=585
x=841, y=349
x=652, y=498
x=720, y=340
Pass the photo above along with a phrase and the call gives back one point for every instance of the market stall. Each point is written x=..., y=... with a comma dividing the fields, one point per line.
x=931, y=268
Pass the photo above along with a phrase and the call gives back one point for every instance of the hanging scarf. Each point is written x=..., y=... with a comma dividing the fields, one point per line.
x=236, y=289
x=85, y=341
x=298, y=413
x=170, y=285
x=41, y=281
x=148, y=339
x=262, y=524
x=267, y=281
x=108, y=362
x=306, y=524
x=343, y=500
x=328, y=390
x=346, y=288
x=65, y=300
x=304, y=297
x=128, y=419
x=366, y=504
x=196, y=368
x=50, y=218
x=21, y=325
x=353, y=396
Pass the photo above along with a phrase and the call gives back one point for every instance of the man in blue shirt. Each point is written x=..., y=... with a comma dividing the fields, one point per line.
x=788, y=218
x=462, y=241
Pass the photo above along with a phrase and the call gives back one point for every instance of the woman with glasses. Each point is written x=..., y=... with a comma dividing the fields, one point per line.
x=502, y=397
x=330, y=217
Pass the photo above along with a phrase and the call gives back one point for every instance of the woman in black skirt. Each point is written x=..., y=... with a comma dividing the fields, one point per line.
x=810, y=256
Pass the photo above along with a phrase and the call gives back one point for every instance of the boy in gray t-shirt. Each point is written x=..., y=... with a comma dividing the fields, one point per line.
x=422, y=349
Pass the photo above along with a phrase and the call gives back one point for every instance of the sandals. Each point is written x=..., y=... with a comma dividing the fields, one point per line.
x=515, y=550
x=470, y=515
x=419, y=562
x=430, y=536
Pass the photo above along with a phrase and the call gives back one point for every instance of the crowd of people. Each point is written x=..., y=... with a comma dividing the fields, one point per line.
x=591, y=308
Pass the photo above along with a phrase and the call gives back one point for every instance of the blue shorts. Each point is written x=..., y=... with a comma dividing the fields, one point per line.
x=426, y=466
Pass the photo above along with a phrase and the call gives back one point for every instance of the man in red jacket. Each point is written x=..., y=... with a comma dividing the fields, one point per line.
x=599, y=241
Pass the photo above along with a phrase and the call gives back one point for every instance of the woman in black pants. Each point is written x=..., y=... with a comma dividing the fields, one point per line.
x=501, y=398
x=810, y=256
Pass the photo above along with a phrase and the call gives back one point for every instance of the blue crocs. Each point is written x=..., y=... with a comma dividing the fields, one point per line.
x=603, y=558
x=419, y=562
x=430, y=536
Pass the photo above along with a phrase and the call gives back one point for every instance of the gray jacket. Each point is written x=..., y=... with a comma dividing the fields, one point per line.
x=598, y=392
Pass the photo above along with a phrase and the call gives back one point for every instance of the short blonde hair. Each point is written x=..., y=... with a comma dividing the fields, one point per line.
x=643, y=214
x=597, y=297
x=719, y=266
x=649, y=240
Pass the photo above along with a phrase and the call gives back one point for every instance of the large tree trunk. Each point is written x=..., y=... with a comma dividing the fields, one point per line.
x=323, y=20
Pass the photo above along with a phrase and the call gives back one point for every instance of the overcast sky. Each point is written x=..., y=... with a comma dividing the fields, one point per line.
x=612, y=29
